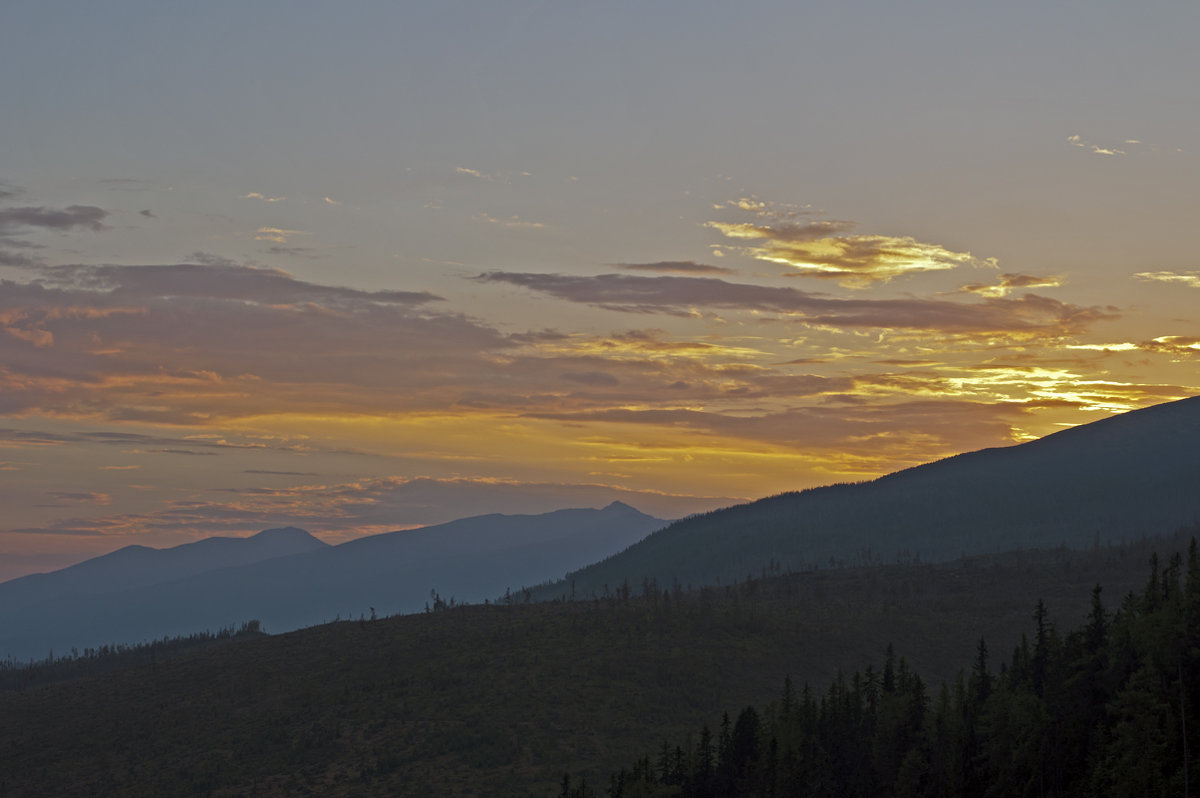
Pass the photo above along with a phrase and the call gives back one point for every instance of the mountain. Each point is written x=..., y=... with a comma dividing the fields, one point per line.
x=471, y=559
x=138, y=566
x=1116, y=479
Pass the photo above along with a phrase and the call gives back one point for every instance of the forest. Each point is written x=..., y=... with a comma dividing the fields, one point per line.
x=1104, y=709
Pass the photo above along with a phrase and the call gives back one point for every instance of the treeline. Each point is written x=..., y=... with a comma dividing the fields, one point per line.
x=16, y=675
x=1102, y=710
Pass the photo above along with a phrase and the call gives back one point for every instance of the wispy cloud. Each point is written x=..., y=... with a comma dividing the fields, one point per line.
x=373, y=505
x=277, y=234
x=1078, y=141
x=1190, y=279
x=1009, y=282
x=515, y=222
x=674, y=267
x=265, y=198
x=331, y=201
x=468, y=172
x=1027, y=315
x=825, y=248
x=1175, y=344
x=66, y=497
x=293, y=252
x=88, y=217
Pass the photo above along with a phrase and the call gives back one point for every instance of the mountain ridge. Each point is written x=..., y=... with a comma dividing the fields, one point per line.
x=1129, y=474
x=472, y=559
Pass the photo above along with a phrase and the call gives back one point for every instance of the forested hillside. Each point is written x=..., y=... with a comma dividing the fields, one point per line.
x=502, y=700
x=1102, y=710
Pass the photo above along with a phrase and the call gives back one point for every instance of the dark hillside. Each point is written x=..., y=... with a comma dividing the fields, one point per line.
x=1132, y=474
x=501, y=700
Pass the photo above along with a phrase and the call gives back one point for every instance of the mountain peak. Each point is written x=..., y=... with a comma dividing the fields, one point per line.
x=284, y=532
x=619, y=506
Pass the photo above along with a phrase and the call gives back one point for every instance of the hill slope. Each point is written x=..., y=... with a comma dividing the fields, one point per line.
x=1135, y=473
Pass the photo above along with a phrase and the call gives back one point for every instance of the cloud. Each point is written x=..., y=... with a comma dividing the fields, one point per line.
x=1121, y=347
x=591, y=378
x=1078, y=141
x=1027, y=315
x=768, y=209
x=375, y=505
x=1174, y=344
x=99, y=499
x=294, y=252
x=853, y=436
x=10, y=258
x=514, y=222
x=8, y=191
x=139, y=443
x=1189, y=279
x=192, y=343
x=463, y=170
x=148, y=214
x=1009, y=282
x=88, y=217
x=214, y=278
x=674, y=267
x=824, y=248
x=330, y=201
x=258, y=196
x=277, y=234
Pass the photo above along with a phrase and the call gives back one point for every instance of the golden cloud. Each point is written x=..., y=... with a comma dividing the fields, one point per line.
x=1190, y=279
x=1010, y=282
x=823, y=249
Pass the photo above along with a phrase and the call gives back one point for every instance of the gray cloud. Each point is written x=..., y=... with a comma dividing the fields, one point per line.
x=86, y=216
x=217, y=279
x=681, y=295
x=295, y=252
x=674, y=267
x=81, y=498
x=10, y=258
x=591, y=378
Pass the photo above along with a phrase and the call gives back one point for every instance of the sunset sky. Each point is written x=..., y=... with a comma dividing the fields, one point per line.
x=359, y=267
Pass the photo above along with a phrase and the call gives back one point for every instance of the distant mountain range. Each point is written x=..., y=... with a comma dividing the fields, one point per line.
x=287, y=579
x=1117, y=479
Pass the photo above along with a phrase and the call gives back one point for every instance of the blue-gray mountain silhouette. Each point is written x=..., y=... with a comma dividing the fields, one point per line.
x=137, y=594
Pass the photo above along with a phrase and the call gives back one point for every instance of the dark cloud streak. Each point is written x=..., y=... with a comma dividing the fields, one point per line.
x=86, y=216
x=680, y=295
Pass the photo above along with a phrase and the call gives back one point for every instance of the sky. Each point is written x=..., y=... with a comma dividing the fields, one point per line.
x=361, y=267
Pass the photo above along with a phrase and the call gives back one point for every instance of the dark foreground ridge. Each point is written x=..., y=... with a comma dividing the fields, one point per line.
x=502, y=700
